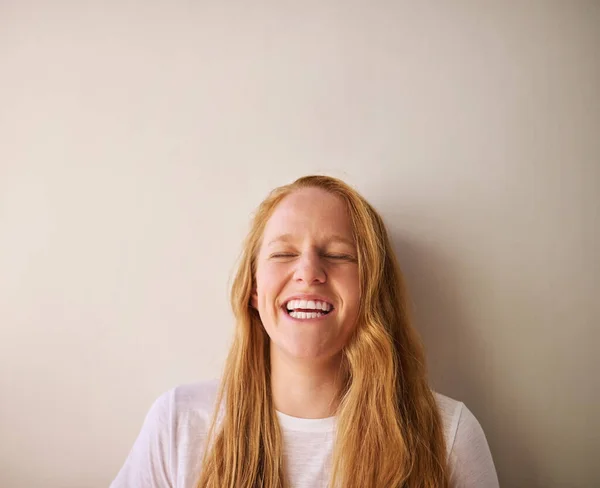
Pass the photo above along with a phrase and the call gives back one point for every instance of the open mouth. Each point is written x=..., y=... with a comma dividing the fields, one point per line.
x=307, y=309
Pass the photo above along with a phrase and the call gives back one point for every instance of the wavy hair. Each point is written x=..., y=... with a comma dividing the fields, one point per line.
x=389, y=431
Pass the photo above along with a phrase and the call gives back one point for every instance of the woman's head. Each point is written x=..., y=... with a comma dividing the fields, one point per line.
x=306, y=286
x=319, y=241
x=318, y=238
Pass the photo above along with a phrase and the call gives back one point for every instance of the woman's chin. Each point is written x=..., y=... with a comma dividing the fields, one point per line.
x=313, y=351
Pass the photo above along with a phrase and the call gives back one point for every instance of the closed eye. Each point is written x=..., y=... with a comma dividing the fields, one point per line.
x=341, y=257
x=334, y=257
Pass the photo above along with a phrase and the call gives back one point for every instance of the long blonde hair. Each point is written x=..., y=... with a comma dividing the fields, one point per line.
x=389, y=432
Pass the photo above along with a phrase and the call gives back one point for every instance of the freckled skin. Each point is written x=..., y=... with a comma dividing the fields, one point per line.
x=316, y=255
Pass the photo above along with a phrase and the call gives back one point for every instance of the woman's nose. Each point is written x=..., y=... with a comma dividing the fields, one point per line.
x=310, y=270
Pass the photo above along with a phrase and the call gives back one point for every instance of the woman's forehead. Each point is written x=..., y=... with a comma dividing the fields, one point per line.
x=312, y=211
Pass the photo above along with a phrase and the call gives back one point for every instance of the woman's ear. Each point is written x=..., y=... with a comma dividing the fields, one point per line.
x=254, y=299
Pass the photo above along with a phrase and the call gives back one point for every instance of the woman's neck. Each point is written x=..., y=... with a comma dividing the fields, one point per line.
x=305, y=388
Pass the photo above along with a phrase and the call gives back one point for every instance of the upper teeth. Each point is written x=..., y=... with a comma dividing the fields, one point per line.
x=308, y=304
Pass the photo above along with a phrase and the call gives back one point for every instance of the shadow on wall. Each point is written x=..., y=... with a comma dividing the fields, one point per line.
x=456, y=358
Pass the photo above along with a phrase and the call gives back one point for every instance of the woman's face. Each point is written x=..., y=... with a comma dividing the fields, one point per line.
x=307, y=288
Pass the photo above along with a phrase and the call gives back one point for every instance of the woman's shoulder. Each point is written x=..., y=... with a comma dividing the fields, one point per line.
x=189, y=399
x=169, y=446
x=468, y=451
x=457, y=419
x=199, y=395
x=450, y=412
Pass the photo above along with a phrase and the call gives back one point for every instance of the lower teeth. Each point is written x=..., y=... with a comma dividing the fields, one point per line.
x=305, y=315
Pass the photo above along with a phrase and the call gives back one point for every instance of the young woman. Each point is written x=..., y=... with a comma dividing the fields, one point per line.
x=325, y=384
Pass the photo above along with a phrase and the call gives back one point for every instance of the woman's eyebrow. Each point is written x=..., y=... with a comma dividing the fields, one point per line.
x=341, y=239
x=281, y=238
x=332, y=239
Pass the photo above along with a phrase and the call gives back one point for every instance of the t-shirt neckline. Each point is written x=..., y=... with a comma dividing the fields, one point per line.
x=297, y=424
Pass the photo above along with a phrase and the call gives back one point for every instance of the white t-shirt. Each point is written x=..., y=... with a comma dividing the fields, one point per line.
x=168, y=451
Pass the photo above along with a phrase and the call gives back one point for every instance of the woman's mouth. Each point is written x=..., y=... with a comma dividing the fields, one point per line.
x=307, y=309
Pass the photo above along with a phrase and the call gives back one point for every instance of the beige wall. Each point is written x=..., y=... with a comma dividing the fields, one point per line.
x=136, y=139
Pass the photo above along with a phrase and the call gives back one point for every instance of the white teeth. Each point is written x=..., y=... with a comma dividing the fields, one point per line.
x=308, y=304
x=305, y=315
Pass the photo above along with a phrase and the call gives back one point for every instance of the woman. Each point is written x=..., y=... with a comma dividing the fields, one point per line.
x=325, y=384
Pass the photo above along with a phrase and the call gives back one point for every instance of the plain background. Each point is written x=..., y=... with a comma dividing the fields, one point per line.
x=137, y=138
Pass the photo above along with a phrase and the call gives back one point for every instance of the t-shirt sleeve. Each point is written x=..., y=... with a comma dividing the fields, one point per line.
x=148, y=464
x=471, y=464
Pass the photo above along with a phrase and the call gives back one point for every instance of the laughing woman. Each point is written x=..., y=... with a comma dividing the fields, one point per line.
x=325, y=384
